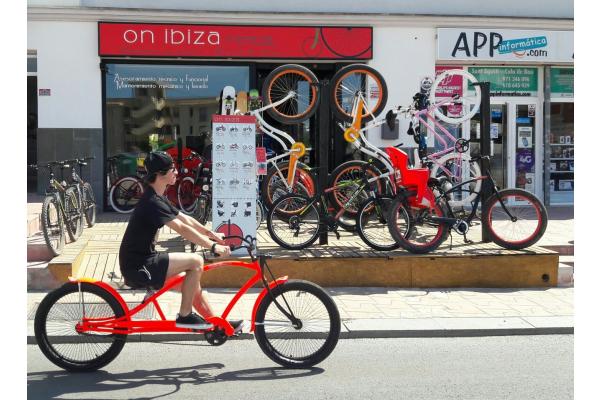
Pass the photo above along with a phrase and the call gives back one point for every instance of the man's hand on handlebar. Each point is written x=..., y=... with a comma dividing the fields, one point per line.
x=221, y=250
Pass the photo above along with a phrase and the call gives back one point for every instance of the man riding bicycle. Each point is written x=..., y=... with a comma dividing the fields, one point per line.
x=142, y=265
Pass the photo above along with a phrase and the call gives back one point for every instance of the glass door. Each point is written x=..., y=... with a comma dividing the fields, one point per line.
x=498, y=136
x=525, y=156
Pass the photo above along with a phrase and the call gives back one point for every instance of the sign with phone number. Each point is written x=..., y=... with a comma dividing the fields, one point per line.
x=508, y=81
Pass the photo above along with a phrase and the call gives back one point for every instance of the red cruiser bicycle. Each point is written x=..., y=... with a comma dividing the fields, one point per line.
x=83, y=325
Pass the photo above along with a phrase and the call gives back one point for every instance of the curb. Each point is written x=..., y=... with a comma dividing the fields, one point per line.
x=347, y=333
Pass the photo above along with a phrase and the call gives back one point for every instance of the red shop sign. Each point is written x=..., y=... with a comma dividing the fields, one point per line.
x=234, y=41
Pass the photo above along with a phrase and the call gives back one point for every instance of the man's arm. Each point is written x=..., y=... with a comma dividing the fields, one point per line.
x=189, y=233
x=191, y=222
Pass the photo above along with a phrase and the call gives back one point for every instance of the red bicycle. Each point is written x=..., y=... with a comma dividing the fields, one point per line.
x=83, y=325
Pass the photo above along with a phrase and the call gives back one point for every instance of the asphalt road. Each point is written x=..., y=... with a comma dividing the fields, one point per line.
x=505, y=367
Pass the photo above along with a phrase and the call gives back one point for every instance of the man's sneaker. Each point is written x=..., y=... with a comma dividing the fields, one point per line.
x=193, y=321
x=238, y=325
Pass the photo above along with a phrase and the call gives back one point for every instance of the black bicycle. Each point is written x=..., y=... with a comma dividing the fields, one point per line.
x=61, y=208
x=84, y=189
x=515, y=218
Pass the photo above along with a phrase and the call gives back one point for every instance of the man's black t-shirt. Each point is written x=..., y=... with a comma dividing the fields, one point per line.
x=150, y=214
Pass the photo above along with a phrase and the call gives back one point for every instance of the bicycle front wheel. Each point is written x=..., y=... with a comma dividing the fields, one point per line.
x=464, y=106
x=73, y=213
x=298, y=81
x=53, y=227
x=311, y=340
x=372, y=223
x=187, y=199
x=293, y=222
x=59, y=313
x=516, y=219
x=358, y=79
x=125, y=194
x=89, y=205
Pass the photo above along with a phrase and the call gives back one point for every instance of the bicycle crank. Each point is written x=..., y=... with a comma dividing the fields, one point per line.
x=216, y=337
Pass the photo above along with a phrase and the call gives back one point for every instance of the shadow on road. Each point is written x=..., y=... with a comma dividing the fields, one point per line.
x=55, y=384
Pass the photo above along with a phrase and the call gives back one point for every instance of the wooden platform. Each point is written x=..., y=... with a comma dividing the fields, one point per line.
x=344, y=262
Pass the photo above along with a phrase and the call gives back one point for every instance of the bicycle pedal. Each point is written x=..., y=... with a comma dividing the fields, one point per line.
x=337, y=234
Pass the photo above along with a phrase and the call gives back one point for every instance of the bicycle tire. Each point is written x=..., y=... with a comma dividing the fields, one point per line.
x=286, y=78
x=474, y=172
x=499, y=225
x=272, y=186
x=425, y=236
x=377, y=210
x=73, y=212
x=284, y=222
x=59, y=347
x=186, y=201
x=125, y=194
x=201, y=212
x=356, y=78
x=260, y=213
x=475, y=100
x=51, y=228
x=320, y=335
x=350, y=170
x=89, y=205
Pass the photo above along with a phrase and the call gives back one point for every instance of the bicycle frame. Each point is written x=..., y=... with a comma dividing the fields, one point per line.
x=125, y=325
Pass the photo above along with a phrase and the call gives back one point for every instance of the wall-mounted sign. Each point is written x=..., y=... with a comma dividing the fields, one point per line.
x=505, y=45
x=235, y=41
x=44, y=92
x=508, y=81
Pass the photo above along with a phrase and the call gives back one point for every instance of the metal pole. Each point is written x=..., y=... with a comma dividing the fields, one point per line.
x=485, y=150
x=323, y=138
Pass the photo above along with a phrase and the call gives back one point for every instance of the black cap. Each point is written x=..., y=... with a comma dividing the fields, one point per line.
x=158, y=161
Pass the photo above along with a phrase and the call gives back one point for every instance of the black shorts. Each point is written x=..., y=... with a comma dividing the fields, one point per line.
x=150, y=272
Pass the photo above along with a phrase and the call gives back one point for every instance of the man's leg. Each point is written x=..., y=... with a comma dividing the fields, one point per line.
x=191, y=291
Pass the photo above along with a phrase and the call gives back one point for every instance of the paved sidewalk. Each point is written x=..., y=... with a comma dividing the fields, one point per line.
x=397, y=312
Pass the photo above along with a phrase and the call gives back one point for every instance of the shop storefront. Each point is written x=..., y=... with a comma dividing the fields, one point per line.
x=531, y=90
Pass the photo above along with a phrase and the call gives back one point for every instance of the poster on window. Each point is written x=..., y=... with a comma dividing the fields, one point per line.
x=234, y=176
x=525, y=137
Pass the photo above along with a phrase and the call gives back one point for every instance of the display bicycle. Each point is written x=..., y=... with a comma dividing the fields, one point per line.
x=84, y=324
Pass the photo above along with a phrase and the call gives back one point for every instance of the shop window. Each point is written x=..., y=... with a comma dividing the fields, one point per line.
x=149, y=106
x=562, y=153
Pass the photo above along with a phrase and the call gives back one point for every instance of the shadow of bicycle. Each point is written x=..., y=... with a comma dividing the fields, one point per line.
x=56, y=384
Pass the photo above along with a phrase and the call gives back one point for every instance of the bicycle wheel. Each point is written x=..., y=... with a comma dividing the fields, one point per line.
x=345, y=180
x=187, y=199
x=462, y=108
x=524, y=226
x=372, y=223
x=260, y=213
x=273, y=187
x=89, y=205
x=353, y=79
x=59, y=313
x=53, y=227
x=125, y=194
x=297, y=346
x=202, y=210
x=454, y=167
x=293, y=221
x=291, y=78
x=73, y=213
x=425, y=235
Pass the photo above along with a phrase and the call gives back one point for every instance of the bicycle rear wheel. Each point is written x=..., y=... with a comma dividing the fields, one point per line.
x=73, y=212
x=89, y=205
x=523, y=225
x=53, y=227
x=186, y=198
x=454, y=166
x=358, y=78
x=293, y=222
x=297, y=346
x=273, y=187
x=462, y=108
x=372, y=223
x=125, y=194
x=425, y=235
x=59, y=313
x=284, y=80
